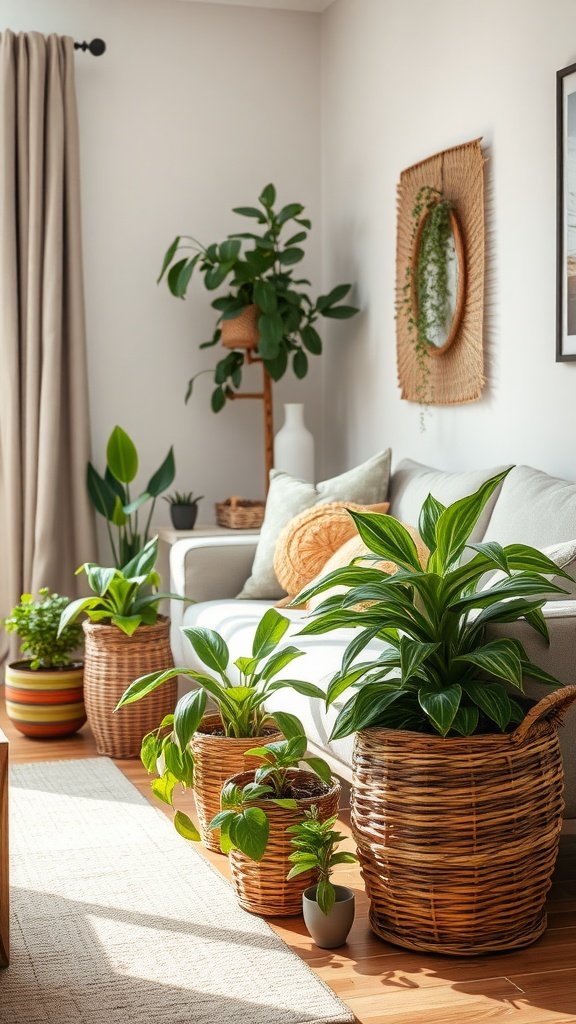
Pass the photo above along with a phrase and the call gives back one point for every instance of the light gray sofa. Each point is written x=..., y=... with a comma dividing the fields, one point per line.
x=529, y=507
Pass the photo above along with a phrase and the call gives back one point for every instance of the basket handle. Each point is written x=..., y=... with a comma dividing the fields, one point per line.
x=552, y=707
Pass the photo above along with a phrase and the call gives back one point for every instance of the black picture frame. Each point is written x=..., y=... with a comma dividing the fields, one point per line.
x=566, y=214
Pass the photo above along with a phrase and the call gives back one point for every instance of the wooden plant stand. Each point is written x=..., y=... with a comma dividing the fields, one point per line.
x=266, y=396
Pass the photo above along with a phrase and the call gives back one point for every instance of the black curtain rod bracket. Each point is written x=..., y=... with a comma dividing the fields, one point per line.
x=97, y=47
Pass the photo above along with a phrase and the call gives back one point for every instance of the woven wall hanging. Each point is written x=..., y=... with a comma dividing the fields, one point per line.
x=451, y=371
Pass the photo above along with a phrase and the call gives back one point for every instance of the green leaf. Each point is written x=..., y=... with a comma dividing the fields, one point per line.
x=265, y=297
x=413, y=653
x=299, y=686
x=180, y=281
x=74, y=609
x=271, y=330
x=492, y=699
x=325, y=896
x=133, y=506
x=387, y=537
x=291, y=256
x=250, y=211
x=500, y=658
x=218, y=400
x=268, y=196
x=365, y=708
x=127, y=624
x=289, y=725
x=99, y=578
x=277, y=365
x=118, y=513
x=149, y=752
x=186, y=827
x=174, y=277
x=163, y=788
x=289, y=212
x=535, y=672
x=230, y=249
x=336, y=295
x=340, y=312
x=249, y=832
x=163, y=476
x=319, y=767
x=188, y=714
x=100, y=492
x=169, y=256
x=276, y=662
x=456, y=523
x=269, y=633
x=465, y=721
x=144, y=685
x=311, y=340
x=209, y=647
x=535, y=618
x=143, y=562
x=494, y=551
x=429, y=516
x=122, y=456
x=300, y=364
x=528, y=559
x=440, y=706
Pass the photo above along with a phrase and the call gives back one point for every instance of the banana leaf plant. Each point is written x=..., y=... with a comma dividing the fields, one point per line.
x=257, y=267
x=438, y=671
x=110, y=495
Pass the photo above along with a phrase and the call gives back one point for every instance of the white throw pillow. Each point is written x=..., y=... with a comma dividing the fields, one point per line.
x=366, y=484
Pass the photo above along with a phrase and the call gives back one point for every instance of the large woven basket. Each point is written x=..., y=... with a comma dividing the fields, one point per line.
x=458, y=838
x=261, y=886
x=216, y=758
x=112, y=661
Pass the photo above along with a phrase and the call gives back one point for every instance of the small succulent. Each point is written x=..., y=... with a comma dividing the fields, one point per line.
x=183, y=498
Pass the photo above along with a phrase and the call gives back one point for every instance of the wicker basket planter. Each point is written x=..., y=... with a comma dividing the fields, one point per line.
x=216, y=758
x=261, y=886
x=457, y=838
x=242, y=331
x=112, y=661
x=45, y=702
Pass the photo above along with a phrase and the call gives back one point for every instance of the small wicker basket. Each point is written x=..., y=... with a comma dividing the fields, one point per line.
x=261, y=886
x=240, y=514
x=216, y=758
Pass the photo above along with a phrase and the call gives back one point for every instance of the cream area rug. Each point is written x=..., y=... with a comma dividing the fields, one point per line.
x=117, y=920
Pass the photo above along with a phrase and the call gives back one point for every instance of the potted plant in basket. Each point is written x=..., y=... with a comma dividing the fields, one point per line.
x=457, y=792
x=202, y=750
x=183, y=509
x=265, y=307
x=124, y=635
x=44, y=692
x=259, y=807
x=328, y=908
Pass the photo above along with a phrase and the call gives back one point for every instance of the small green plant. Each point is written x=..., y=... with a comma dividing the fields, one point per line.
x=437, y=672
x=110, y=495
x=257, y=267
x=246, y=827
x=166, y=751
x=315, y=845
x=431, y=287
x=127, y=597
x=36, y=623
x=182, y=498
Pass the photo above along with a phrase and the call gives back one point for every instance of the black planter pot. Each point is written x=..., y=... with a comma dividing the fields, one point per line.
x=183, y=516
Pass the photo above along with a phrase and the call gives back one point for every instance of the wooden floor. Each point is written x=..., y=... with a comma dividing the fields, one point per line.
x=382, y=983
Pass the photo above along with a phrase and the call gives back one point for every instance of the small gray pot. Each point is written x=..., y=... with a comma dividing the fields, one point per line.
x=183, y=516
x=329, y=930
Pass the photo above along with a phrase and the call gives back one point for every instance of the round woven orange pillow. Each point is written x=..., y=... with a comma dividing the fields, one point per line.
x=309, y=539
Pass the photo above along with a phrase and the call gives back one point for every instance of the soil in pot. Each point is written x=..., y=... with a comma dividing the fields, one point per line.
x=329, y=930
x=45, y=702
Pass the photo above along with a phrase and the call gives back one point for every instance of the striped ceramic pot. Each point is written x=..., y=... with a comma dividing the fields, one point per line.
x=45, y=702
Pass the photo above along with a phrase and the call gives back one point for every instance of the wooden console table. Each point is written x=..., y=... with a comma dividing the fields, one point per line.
x=4, y=889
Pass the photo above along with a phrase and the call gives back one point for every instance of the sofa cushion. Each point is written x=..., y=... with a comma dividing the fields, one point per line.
x=311, y=538
x=287, y=496
x=533, y=508
x=412, y=482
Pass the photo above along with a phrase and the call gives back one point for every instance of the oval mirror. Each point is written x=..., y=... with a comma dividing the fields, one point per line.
x=441, y=336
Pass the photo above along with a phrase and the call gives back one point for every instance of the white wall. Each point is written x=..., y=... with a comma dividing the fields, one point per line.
x=401, y=81
x=191, y=111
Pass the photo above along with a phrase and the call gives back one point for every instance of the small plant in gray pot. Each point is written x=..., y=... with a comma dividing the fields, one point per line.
x=183, y=509
x=328, y=909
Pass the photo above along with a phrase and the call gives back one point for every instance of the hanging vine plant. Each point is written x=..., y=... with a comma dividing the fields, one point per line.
x=427, y=296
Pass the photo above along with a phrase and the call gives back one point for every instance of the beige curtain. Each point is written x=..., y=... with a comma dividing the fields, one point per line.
x=46, y=523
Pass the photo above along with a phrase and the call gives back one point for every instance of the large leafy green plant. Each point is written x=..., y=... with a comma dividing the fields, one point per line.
x=258, y=268
x=246, y=827
x=315, y=844
x=127, y=597
x=437, y=672
x=110, y=494
x=36, y=623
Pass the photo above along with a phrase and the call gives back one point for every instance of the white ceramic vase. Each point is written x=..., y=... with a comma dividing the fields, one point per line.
x=294, y=444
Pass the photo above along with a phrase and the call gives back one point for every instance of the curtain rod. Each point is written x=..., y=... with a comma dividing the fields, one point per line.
x=97, y=47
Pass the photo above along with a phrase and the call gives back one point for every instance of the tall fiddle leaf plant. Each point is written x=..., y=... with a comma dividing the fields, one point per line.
x=111, y=497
